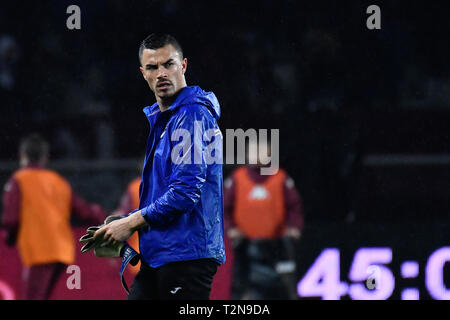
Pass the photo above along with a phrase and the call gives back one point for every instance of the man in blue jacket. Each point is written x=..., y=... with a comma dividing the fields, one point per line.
x=180, y=215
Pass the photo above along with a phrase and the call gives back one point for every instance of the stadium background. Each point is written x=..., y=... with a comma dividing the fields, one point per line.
x=363, y=114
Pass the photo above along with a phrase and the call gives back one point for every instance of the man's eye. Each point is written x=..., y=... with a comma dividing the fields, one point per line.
x=151, y=67
x=168, y=64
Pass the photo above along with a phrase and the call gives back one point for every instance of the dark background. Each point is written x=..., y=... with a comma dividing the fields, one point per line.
x=363, y=114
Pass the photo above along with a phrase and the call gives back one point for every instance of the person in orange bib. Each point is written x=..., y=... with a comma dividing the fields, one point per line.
x=259, y=210
x=37, y=207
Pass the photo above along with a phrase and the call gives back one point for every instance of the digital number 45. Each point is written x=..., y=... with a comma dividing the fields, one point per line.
x=373, y=280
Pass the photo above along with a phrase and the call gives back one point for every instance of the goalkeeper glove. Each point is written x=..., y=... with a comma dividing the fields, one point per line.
x=88, y=238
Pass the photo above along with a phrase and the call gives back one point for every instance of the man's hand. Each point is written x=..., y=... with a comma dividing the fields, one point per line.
x=120, y=230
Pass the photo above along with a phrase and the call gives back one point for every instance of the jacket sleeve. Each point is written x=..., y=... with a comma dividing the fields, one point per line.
x=189, y=166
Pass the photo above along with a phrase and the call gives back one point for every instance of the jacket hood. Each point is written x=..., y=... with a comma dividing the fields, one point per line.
x=191, y=95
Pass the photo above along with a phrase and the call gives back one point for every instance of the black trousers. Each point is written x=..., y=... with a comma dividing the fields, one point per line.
x=182, y=280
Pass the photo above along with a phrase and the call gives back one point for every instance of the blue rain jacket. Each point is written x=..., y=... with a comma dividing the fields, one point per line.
x=181, y=191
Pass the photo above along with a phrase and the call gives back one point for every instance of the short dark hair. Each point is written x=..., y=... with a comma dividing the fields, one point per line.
x=156, y=41
x=34, y=147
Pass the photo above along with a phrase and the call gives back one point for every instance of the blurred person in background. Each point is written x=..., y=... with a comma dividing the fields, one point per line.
x=263, y=220
x=12, y=98
x=37, y=208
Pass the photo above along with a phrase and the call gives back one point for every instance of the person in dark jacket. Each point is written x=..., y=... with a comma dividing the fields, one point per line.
x=180, y=214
